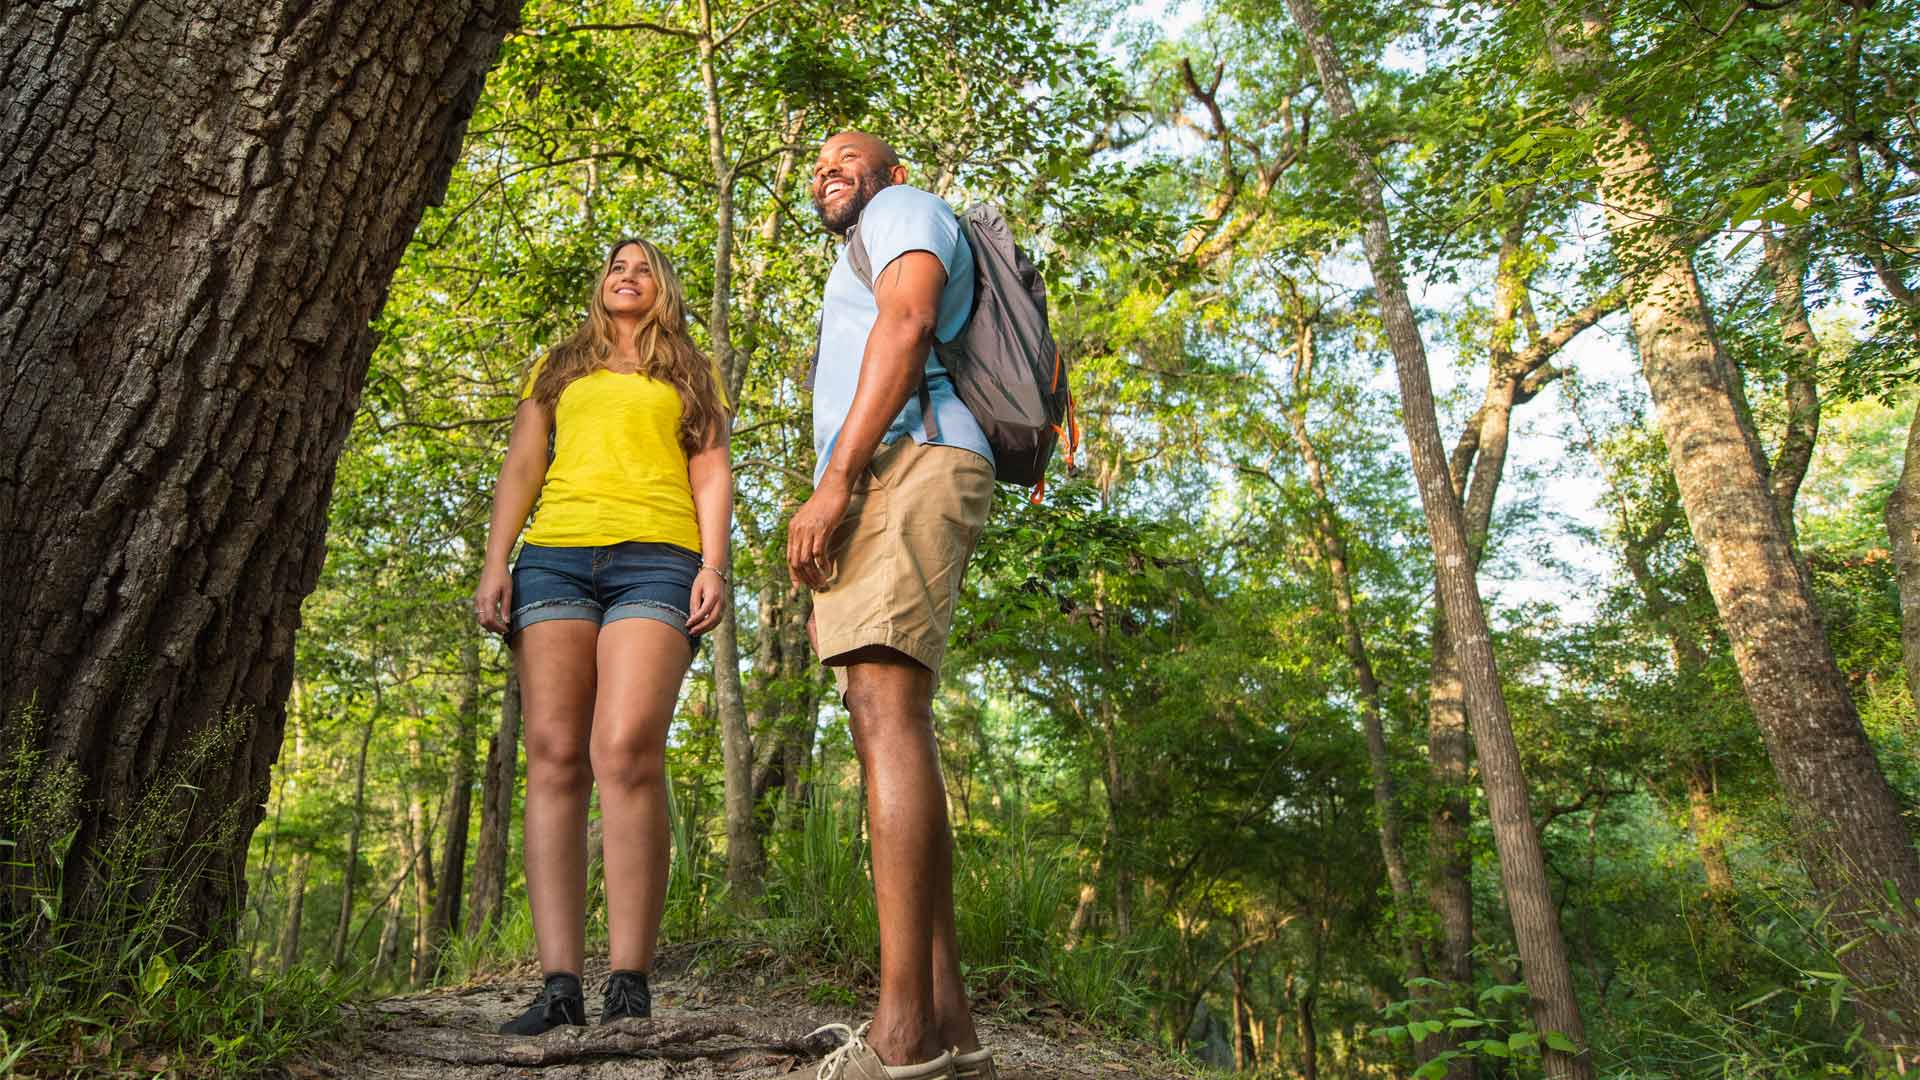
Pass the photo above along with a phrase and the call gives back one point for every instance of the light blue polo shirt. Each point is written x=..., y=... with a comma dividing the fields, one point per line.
x=898, y=220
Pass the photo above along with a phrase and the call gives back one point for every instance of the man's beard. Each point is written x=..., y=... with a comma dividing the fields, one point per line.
x=865, y=187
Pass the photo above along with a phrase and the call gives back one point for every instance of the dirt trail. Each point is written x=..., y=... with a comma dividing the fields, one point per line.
x=738, y=1024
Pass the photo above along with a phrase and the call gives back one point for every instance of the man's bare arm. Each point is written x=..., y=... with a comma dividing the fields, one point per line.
x=907, y=292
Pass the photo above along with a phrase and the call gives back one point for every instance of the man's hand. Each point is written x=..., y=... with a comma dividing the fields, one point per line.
x=810, y=534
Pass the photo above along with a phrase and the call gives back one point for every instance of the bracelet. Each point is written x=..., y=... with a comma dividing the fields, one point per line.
x=722, y=573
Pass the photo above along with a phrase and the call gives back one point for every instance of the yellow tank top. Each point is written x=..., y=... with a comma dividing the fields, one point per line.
x=618, y=472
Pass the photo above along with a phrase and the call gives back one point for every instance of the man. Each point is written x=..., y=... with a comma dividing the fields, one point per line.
x=897, y=506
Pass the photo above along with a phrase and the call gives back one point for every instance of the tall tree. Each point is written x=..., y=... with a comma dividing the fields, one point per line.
x=1530, y=904
x=458, y=817
x=496, y=814
x=1847, y=819
x=204, y=205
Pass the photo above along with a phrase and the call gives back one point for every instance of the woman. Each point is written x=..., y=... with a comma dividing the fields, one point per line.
x=623, y=569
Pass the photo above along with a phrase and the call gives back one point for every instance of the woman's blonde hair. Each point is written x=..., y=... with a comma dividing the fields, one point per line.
x=666, y=351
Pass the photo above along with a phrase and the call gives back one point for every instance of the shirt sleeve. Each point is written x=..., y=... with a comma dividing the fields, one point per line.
x=902, y=219
x=533, y=373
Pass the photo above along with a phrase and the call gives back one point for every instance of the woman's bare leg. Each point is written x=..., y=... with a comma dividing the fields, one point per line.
x=556, y=665
x=641, y=663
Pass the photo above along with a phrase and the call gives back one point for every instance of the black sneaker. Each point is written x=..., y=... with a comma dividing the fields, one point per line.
x=560, y=1002
x=627, y=995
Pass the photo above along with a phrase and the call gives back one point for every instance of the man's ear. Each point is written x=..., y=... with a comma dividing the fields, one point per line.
x=897, y=174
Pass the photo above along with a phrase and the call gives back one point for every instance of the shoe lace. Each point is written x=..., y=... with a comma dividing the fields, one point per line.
x=549, y=1003
x=835, y=1063
x=627, y=997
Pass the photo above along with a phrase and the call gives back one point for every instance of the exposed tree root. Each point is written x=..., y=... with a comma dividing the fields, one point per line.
x=728, y=1040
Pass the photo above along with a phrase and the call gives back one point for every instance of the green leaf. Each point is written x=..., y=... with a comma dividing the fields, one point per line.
x=154, y=978
x=1559, y=1042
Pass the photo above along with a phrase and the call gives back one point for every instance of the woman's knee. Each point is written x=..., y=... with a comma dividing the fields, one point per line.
x=558, y=761
x=630, y=762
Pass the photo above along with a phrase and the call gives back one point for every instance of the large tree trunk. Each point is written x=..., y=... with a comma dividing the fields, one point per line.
x=496, y=813
x=1847, y=818
x=459, y=813
x=1536, y=920
x=204, y=203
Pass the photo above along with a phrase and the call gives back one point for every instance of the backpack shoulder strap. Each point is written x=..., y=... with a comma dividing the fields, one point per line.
x=862, y=267
x=857, y=259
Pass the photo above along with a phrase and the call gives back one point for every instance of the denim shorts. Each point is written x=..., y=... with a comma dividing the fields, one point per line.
x=633, y=580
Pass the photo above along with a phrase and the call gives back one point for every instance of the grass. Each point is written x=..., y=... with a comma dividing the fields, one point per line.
x=1012, y=897
x=103, y=984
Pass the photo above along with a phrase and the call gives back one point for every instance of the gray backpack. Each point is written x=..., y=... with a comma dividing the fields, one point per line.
x=1003, y=362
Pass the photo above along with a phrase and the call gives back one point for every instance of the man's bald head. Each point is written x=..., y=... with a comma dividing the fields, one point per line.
x=851, y=169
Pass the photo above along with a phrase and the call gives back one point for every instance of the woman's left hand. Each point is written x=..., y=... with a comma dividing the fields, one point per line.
x=710, y=596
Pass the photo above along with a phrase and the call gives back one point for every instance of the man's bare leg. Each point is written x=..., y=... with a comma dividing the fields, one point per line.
x=923, y=1003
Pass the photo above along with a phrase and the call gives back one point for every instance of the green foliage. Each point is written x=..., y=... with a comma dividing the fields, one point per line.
x=1150, y=720
x=106, y=981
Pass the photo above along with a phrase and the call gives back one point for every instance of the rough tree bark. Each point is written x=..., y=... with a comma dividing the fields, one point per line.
x=496, y=812
x=201, y=205
x=1847, y=818
x=1530, y=905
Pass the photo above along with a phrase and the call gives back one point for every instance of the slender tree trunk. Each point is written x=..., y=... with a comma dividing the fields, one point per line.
x=1903, y=506
x=352, y=869
x=289, y=944
x=1536, y=920
x=1707, y=830
x=205, y=204
x=1786, y=258
x=420, y=856
x=459, y=814
x=1449, y=852
x=1847, y=818
x=1083, y=907
x=386, y=955
x=496, y=812
x=1903, y=532
x=1309, y=1040
x=1331, y=547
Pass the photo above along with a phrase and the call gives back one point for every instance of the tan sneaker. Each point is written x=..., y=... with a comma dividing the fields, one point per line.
x=855, y=1060
x=975, y=1065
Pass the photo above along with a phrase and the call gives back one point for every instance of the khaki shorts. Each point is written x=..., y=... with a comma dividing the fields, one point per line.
x=899, y=554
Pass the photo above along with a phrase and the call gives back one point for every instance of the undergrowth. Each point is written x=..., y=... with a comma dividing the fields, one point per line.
x=106, y=981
